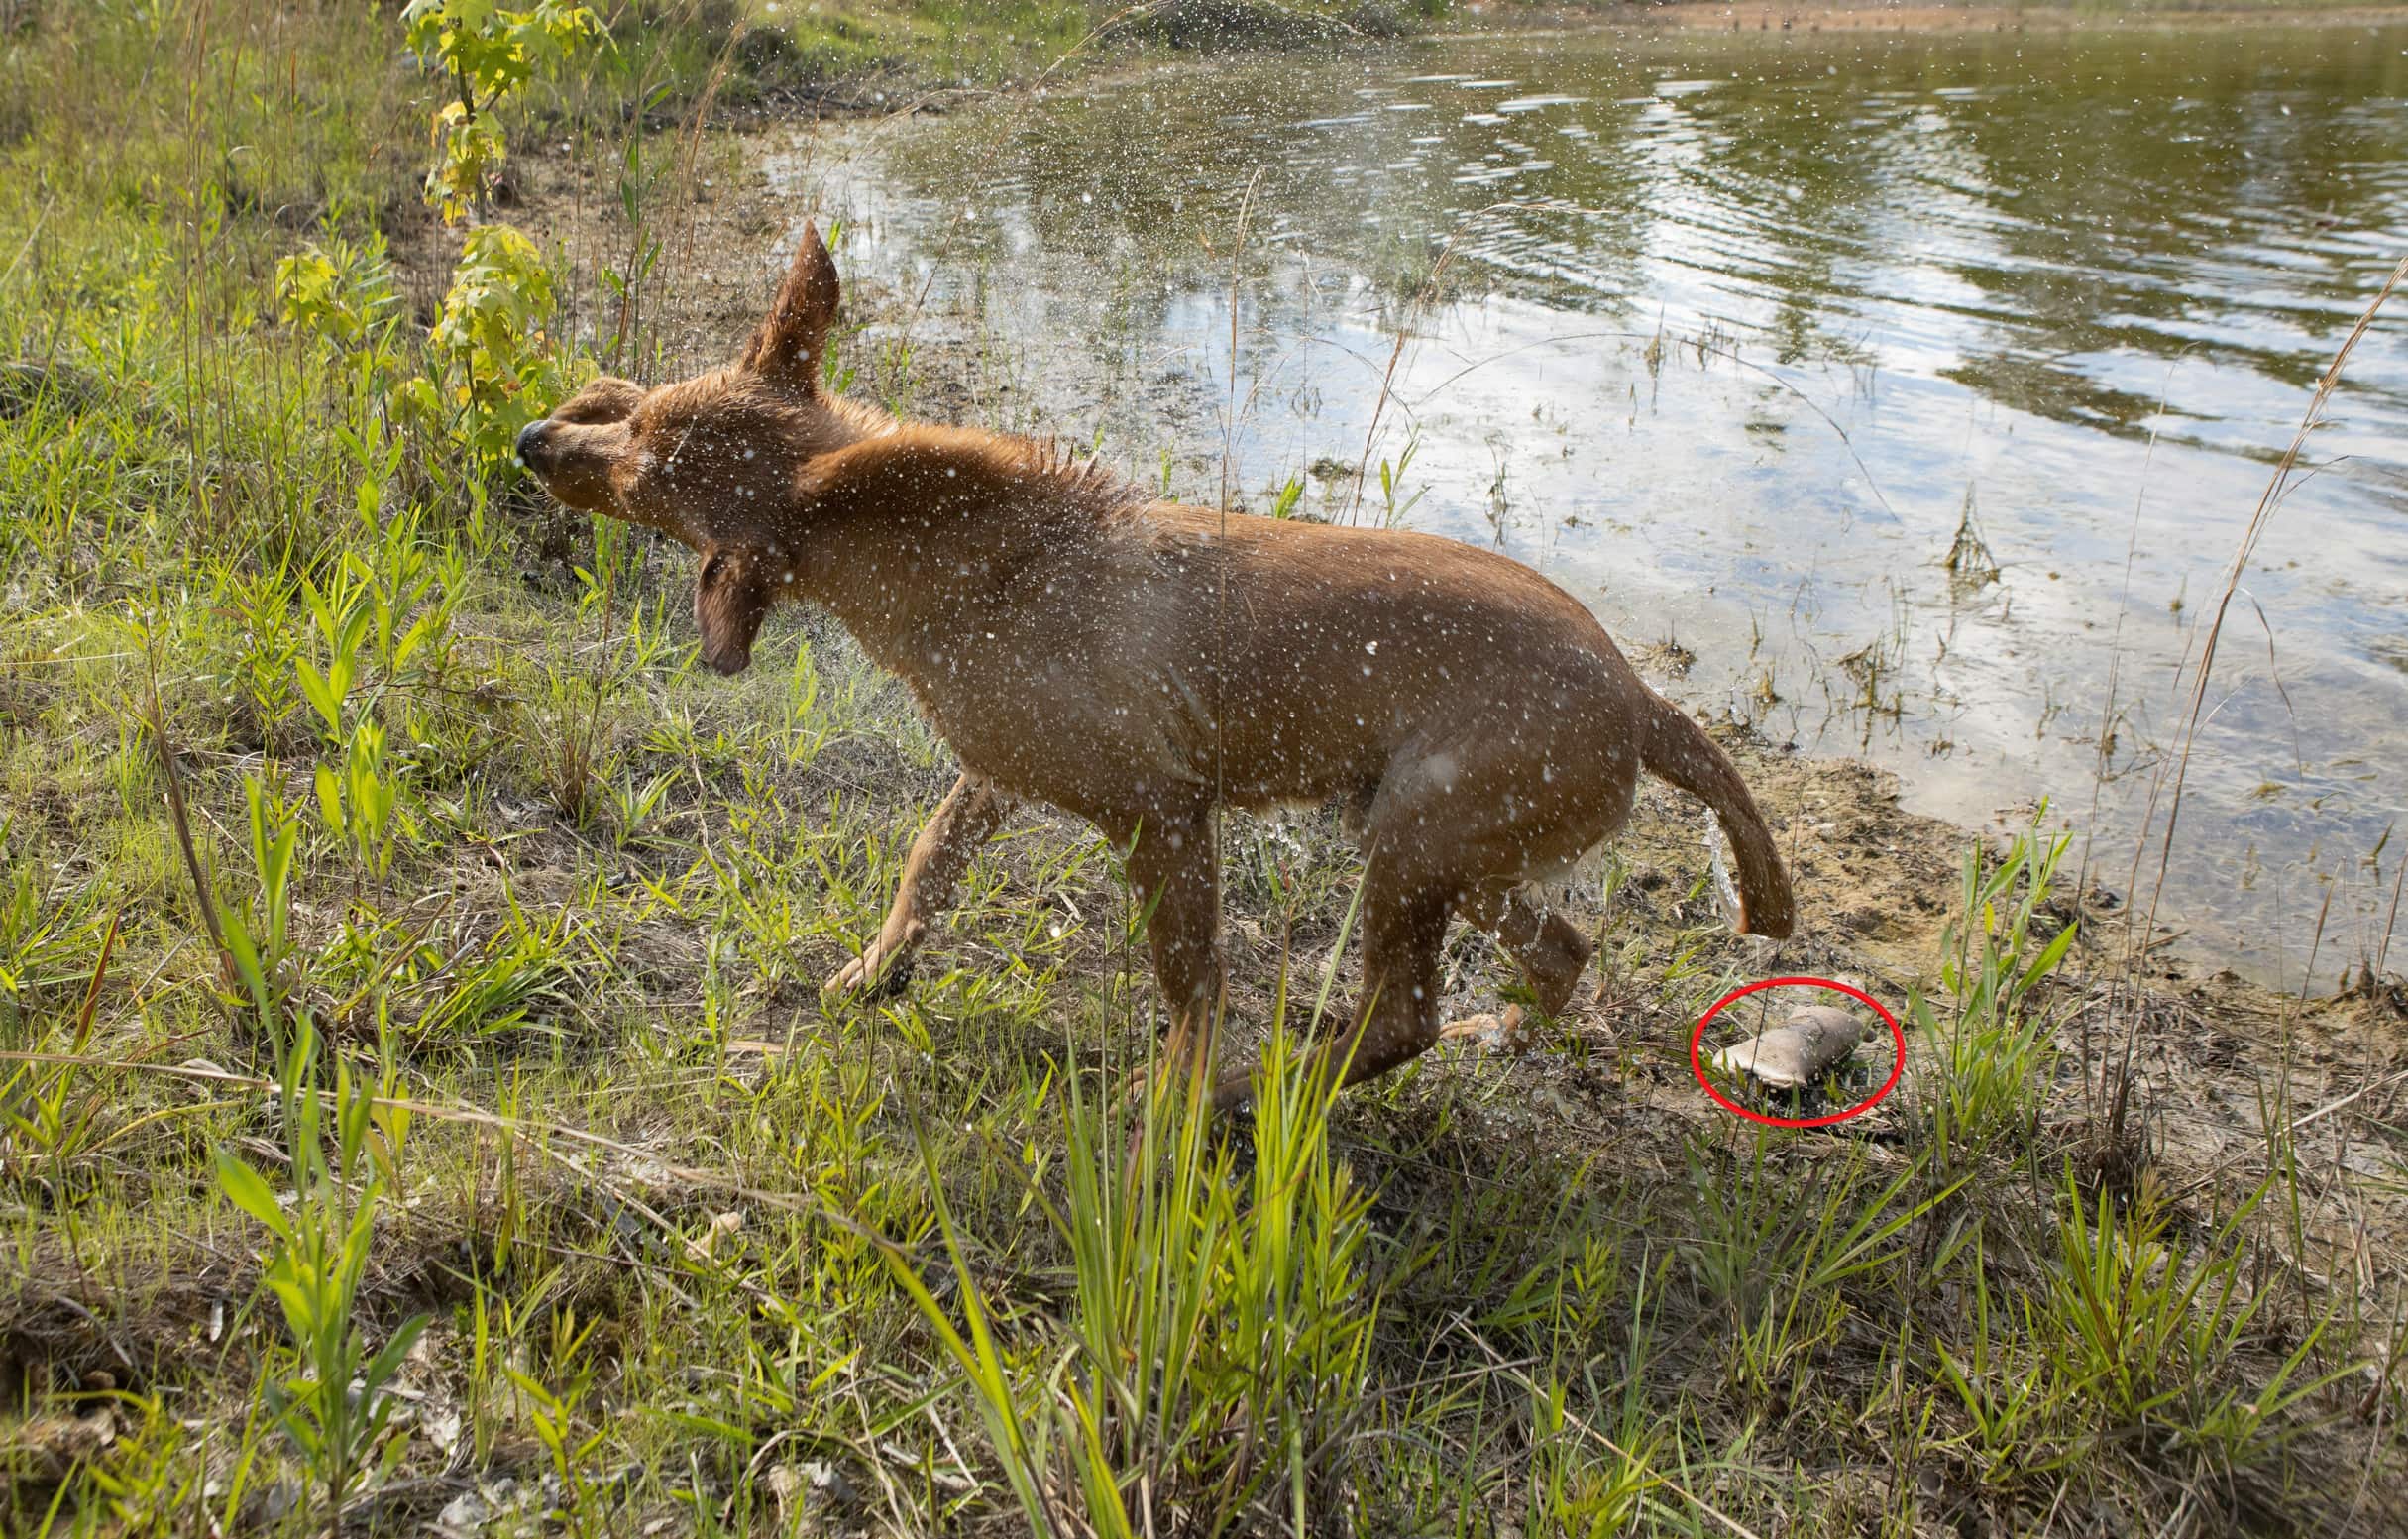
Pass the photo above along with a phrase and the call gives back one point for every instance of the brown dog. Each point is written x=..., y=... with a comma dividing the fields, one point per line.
x=1140, y=663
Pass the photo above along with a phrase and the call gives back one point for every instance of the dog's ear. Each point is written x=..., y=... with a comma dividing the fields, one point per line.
x=602, y=402
x=787, y=348
x=730, y=598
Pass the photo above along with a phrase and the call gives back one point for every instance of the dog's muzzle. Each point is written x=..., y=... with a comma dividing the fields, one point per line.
x=531, y=440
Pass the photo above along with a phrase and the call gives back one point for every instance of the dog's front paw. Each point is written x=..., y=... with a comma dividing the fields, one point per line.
x=870, y=977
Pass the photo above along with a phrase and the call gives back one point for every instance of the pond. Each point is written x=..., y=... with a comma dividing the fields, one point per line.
x=1906, y=395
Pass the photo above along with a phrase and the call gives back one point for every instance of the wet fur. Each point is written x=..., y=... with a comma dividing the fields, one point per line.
x=1140, y=663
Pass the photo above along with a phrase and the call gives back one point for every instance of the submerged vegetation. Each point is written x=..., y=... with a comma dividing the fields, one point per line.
x=416, y=1105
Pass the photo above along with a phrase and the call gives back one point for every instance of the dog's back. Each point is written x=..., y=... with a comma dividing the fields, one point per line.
x=1114, y=656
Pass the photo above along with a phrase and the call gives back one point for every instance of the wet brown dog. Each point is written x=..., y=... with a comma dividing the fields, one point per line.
x=1140, y=663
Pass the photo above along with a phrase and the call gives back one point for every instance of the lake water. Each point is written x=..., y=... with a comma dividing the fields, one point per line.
x=1730, y=332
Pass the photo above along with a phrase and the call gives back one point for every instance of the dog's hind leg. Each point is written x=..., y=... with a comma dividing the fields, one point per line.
x=965, y=820
x=1397, y=1019
x=1548, y=948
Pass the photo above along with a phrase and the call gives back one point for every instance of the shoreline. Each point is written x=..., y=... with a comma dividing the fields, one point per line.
x=1871, y=16
x=902, y=79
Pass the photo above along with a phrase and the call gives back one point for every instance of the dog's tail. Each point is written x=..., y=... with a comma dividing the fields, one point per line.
x=1679, y=751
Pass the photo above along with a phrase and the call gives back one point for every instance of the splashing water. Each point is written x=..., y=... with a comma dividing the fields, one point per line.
x=1726, y=892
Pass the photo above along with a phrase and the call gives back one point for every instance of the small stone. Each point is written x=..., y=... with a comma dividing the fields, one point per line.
x=1797, y=1052
x=722, y=1226
x=462, y=1515
x=267, y=1507
x=51, y=1446
x=828, y=1482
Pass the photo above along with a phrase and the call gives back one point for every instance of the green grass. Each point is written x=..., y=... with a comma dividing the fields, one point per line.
x=408, y=968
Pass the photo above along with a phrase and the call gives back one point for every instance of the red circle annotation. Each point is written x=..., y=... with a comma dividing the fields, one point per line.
x=1897, y=1035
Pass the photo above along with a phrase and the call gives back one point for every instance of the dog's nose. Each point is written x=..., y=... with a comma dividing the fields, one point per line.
x=530, y=439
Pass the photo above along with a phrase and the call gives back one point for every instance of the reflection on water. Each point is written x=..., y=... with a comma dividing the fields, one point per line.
x=1741, y=333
